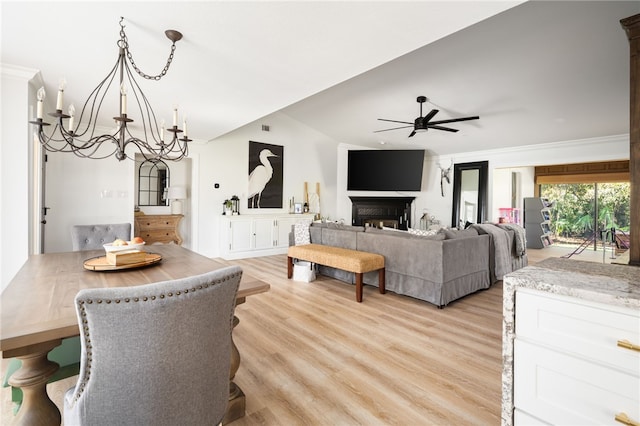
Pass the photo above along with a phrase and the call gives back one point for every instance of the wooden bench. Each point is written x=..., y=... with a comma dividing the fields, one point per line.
x=348, y=260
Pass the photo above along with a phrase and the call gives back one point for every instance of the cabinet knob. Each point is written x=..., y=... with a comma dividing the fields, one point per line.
x=625, y=420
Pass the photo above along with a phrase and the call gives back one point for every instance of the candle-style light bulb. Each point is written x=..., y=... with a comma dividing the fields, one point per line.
x=61, y=87
x=72, y=116
x=123, y=99
x=175, y=116
x=184, y=125
x=41, y=95
x=162, y=131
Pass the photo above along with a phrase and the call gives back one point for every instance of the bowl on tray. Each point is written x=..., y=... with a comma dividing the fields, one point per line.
x=130, y=246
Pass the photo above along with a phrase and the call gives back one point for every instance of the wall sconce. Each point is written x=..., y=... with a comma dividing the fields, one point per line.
x=176, y=194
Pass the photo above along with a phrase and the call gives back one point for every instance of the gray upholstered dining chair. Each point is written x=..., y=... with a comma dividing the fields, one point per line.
x=92, y=237
x=156, y=354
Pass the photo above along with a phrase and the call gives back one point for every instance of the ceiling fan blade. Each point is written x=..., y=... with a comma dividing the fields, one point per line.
x=453, y=120
x=429, y=116
x=446, y=129
x=395, y=121
x=412, y=133
x=395, y=128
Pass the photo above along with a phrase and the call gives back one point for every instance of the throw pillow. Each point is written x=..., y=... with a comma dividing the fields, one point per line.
x=423, y=232
x=301, y=233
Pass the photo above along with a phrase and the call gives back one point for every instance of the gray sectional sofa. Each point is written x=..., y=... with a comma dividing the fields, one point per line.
x=438, y=268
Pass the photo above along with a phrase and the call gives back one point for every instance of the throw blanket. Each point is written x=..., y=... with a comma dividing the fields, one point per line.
x=519, y=237
x=501, y=255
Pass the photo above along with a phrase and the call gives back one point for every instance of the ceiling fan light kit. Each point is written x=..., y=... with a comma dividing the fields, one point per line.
x=424, y=123
x=67, y=138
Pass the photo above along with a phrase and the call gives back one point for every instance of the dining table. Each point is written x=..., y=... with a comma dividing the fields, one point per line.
x=38, y=312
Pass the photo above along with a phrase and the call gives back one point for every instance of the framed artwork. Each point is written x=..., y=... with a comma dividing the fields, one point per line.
x=297, y=207
x=265, y=176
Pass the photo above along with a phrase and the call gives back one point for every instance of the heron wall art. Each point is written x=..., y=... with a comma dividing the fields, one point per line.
x=265, y=176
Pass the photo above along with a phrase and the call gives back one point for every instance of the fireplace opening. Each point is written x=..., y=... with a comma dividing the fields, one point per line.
x=391, y=212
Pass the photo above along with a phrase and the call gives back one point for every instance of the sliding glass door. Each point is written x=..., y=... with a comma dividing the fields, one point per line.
x=581, y=211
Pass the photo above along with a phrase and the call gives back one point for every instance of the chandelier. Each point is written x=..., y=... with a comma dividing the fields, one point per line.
x=71, y=134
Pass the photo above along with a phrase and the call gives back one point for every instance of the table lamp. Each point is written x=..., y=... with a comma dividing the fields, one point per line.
x=176, y=194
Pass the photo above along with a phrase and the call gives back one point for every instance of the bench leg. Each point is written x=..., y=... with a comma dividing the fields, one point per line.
x=289, y=266
x=359, y=287
x=381, y=284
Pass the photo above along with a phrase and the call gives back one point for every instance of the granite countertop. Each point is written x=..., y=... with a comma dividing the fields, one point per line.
x=611, y=284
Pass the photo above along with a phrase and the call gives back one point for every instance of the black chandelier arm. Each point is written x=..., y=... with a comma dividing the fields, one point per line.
x=164, y=151
x=147, y=114
x=69, y=145
x=94, y=101
x=89, y=149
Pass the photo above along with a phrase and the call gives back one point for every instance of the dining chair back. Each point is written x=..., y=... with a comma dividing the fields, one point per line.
x=92, y=237
x=156, y=354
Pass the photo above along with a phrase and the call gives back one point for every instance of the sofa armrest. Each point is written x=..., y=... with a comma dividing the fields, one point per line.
x=464, y=256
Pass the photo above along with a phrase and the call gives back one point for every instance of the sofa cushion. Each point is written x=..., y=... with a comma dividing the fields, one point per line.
x=395, y=232
x=315, y=232
x=339, y=238
x=383, y=231
x=337, y=225
x=464, y=233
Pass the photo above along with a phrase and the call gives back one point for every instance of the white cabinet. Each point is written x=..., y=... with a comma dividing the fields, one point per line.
x=240, y=234
x=257, y=235
x=263, y=231
x=568, y=367
x=284, y=225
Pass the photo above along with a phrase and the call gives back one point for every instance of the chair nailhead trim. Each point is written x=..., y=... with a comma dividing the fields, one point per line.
x=83, y=313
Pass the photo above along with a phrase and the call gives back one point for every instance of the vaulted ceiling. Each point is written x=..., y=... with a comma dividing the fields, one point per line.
x=534, y=72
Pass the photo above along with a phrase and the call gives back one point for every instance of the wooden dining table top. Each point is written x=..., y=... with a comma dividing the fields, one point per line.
x=38, y=304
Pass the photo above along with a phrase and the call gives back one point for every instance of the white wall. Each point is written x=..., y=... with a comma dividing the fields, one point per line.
x=82, y=191
x=503, y=187
x=308, y=156
x=15, y=170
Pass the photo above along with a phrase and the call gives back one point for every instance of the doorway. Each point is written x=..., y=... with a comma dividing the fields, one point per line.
x=589, y=214
x=591, y=203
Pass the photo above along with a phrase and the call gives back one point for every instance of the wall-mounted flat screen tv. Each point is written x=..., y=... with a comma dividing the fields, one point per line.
x=385, y=170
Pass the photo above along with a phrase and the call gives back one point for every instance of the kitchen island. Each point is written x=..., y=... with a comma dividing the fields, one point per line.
x=571, y=336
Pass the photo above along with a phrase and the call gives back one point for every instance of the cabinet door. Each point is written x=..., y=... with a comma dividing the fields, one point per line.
x=263, y=233
x=565, y=390
x=284, y=225
x=240, y=235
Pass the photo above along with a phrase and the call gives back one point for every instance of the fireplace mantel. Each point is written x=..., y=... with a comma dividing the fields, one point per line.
x=381, y=209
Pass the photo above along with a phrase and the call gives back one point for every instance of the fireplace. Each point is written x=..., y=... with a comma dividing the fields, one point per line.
x=392, y=212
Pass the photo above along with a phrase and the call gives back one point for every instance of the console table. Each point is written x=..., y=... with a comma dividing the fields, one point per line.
x=158, y=228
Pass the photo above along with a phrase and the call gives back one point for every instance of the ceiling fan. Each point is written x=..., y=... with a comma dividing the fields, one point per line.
x=425, y=123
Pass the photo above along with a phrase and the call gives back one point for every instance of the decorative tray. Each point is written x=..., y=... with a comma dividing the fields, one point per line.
x=100, y=263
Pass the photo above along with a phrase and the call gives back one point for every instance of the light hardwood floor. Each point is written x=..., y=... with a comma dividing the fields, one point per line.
x=312, y=355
